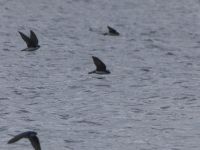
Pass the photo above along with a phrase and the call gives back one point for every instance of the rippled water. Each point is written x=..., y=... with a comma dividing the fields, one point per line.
x=150, y=101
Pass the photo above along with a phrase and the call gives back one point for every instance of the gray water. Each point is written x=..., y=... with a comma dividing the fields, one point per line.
x=150, y=101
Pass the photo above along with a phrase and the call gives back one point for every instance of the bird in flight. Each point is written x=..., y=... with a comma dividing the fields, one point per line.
x=112, y=32
x=31, y=42
x=100, y=67
x=31, y=135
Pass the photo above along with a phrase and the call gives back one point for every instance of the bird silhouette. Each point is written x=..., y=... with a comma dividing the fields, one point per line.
x=32, y=42
x=100, y=67
x=112, y=32
x=31, y=135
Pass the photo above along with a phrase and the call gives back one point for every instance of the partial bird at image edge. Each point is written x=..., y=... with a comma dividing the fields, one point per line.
x=31, y=135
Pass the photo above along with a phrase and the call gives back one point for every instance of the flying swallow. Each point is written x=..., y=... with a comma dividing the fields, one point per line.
x=32, y=136
x=112, y=32
x=100, y=67
x=32, y=42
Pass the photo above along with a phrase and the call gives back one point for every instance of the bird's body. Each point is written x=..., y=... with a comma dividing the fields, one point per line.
x=99, y=72
x=32, y=136
x=30, y=49
x=100, y=67
x=31, y=42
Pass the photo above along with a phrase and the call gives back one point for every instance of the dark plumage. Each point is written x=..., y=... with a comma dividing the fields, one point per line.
x=32, y=42
x=112, y=31
x=32, y=136
x=100, y=67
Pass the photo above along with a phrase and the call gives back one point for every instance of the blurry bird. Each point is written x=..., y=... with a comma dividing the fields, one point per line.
x=100, y=67
x=32, y=42
x=32, y=136
x=112, y=31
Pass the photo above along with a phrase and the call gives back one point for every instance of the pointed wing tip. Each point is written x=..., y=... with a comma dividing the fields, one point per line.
x=13, y=140
x=33, y=38
x=20, y=32
x=94, y=57
x=21, y=135
x=31, y=31
x=110, y=28
x=9, y=142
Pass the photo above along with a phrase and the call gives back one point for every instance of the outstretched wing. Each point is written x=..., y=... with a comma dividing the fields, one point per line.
x=26, y=39
x=33, y=38
x=20, y=136
x=112, y=30
x=100, y=66
x=30, y=135
x=35, y=142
